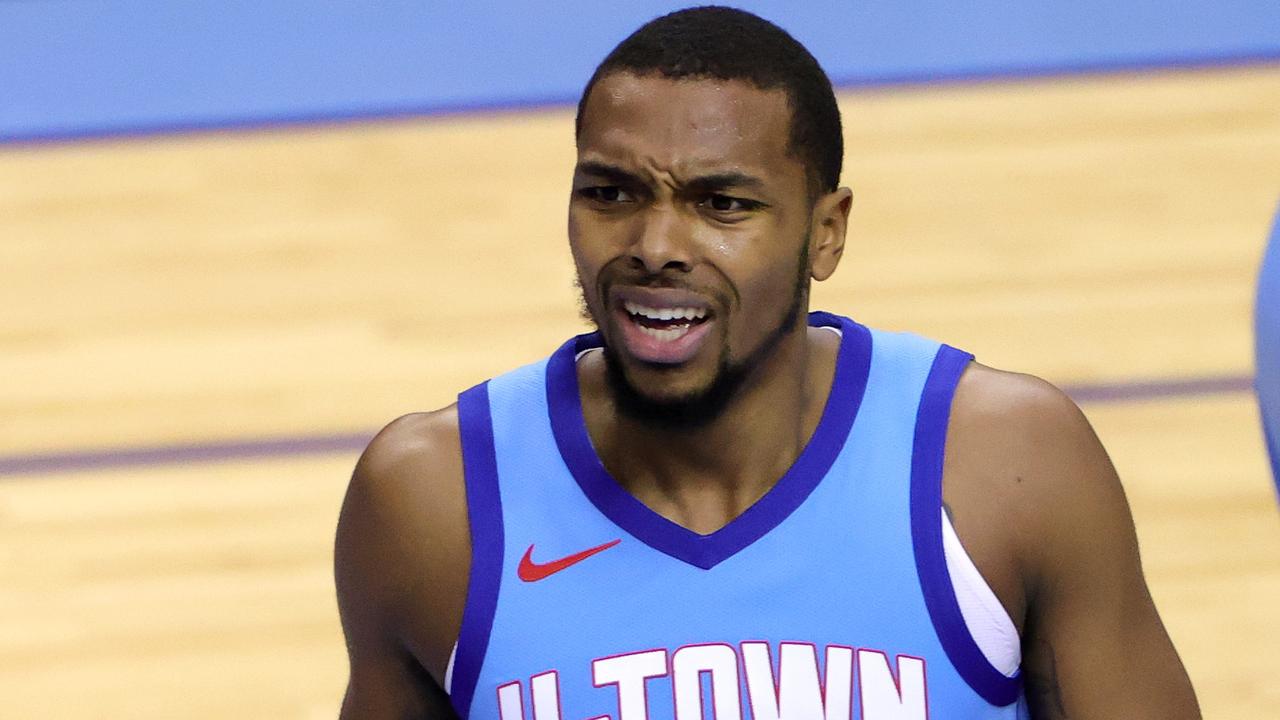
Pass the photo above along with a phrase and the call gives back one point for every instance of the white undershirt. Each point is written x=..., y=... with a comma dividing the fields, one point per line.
x=987, y=620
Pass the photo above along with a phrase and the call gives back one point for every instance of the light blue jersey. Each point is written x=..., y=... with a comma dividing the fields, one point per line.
x=828, y=599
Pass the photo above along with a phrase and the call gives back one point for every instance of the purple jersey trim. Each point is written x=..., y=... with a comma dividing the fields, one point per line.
x=926, y=533
x=853, y=362
x=1273, y=449
x=484, y=515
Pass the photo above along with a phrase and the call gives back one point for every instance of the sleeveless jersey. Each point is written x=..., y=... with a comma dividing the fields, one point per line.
x=827, y=599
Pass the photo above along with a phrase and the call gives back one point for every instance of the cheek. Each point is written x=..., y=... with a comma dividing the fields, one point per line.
x=588, y=262
x=769, y=290
x=586, y=273
x=590, y=241
x=579, y=245
x=760, y=266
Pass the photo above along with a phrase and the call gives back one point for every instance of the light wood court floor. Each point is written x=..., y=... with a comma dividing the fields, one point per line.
x=317, y=280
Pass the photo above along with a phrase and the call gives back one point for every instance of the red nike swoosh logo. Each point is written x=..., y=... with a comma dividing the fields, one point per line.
x=530, y=571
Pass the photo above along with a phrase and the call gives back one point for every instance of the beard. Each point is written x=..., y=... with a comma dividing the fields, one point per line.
x=700, y=407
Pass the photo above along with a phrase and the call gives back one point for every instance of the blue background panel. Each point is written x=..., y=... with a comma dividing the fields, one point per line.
x=74, y=68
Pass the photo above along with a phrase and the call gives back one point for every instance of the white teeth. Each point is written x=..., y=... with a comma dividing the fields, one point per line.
x=666, y=334
x=684, y=313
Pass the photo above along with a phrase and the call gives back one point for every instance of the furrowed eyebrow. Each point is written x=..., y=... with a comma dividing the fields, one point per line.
x=610, y=173
x=724, y=181
x=702, y=184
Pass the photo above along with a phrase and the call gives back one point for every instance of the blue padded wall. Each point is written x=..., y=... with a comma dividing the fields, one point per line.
x=75, y=68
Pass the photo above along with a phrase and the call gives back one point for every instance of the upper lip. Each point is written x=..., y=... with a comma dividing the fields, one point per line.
x=659, y=298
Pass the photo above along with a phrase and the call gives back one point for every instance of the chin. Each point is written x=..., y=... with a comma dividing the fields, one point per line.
x=671, y=396
x=666, y=385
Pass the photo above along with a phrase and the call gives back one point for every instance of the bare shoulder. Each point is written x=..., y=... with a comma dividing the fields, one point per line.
x=414, y=453
x=402, y=551
x=1016, y=402
x=409, y=479
x=1039, y=506
x=1024, y=476
x=1025, y=440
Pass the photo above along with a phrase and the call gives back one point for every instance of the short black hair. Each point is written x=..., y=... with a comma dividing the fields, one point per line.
x=730, y=44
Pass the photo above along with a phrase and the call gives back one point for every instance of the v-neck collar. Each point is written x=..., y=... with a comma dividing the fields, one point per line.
x=853, y=362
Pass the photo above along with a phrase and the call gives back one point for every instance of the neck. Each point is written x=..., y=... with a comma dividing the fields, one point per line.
x=704, y=476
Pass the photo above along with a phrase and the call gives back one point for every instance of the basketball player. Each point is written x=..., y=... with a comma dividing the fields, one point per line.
x=720, y=505
x=1267, y=332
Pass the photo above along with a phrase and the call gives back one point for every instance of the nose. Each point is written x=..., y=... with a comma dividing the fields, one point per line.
x=662, y=241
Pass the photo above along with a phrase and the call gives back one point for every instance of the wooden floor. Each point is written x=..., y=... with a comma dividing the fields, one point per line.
x=324, y=280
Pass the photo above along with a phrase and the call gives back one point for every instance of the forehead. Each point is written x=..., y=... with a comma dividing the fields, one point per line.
x=688, y=125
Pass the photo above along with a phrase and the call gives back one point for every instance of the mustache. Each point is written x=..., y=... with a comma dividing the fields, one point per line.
x=621, y=272
x=644, y=280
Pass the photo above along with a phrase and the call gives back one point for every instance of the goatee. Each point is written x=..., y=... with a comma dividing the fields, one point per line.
x=701, y=407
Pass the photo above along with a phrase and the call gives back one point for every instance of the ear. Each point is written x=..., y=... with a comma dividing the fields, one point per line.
x=826, y=239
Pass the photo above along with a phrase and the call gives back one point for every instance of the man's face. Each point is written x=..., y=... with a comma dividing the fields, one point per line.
x=688, y=224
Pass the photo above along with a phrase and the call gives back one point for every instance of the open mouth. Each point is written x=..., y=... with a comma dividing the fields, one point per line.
x=663, y=328
x=665, y=324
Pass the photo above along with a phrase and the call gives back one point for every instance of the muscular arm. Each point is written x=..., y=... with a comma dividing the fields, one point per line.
x=400, y=564
x=1093, y=643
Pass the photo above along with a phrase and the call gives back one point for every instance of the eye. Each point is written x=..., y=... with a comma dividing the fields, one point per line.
x=728, y=204
x=607, y=194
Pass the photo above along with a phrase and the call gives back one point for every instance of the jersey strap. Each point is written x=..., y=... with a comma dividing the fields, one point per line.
x=484, y=516
x=931, y=565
